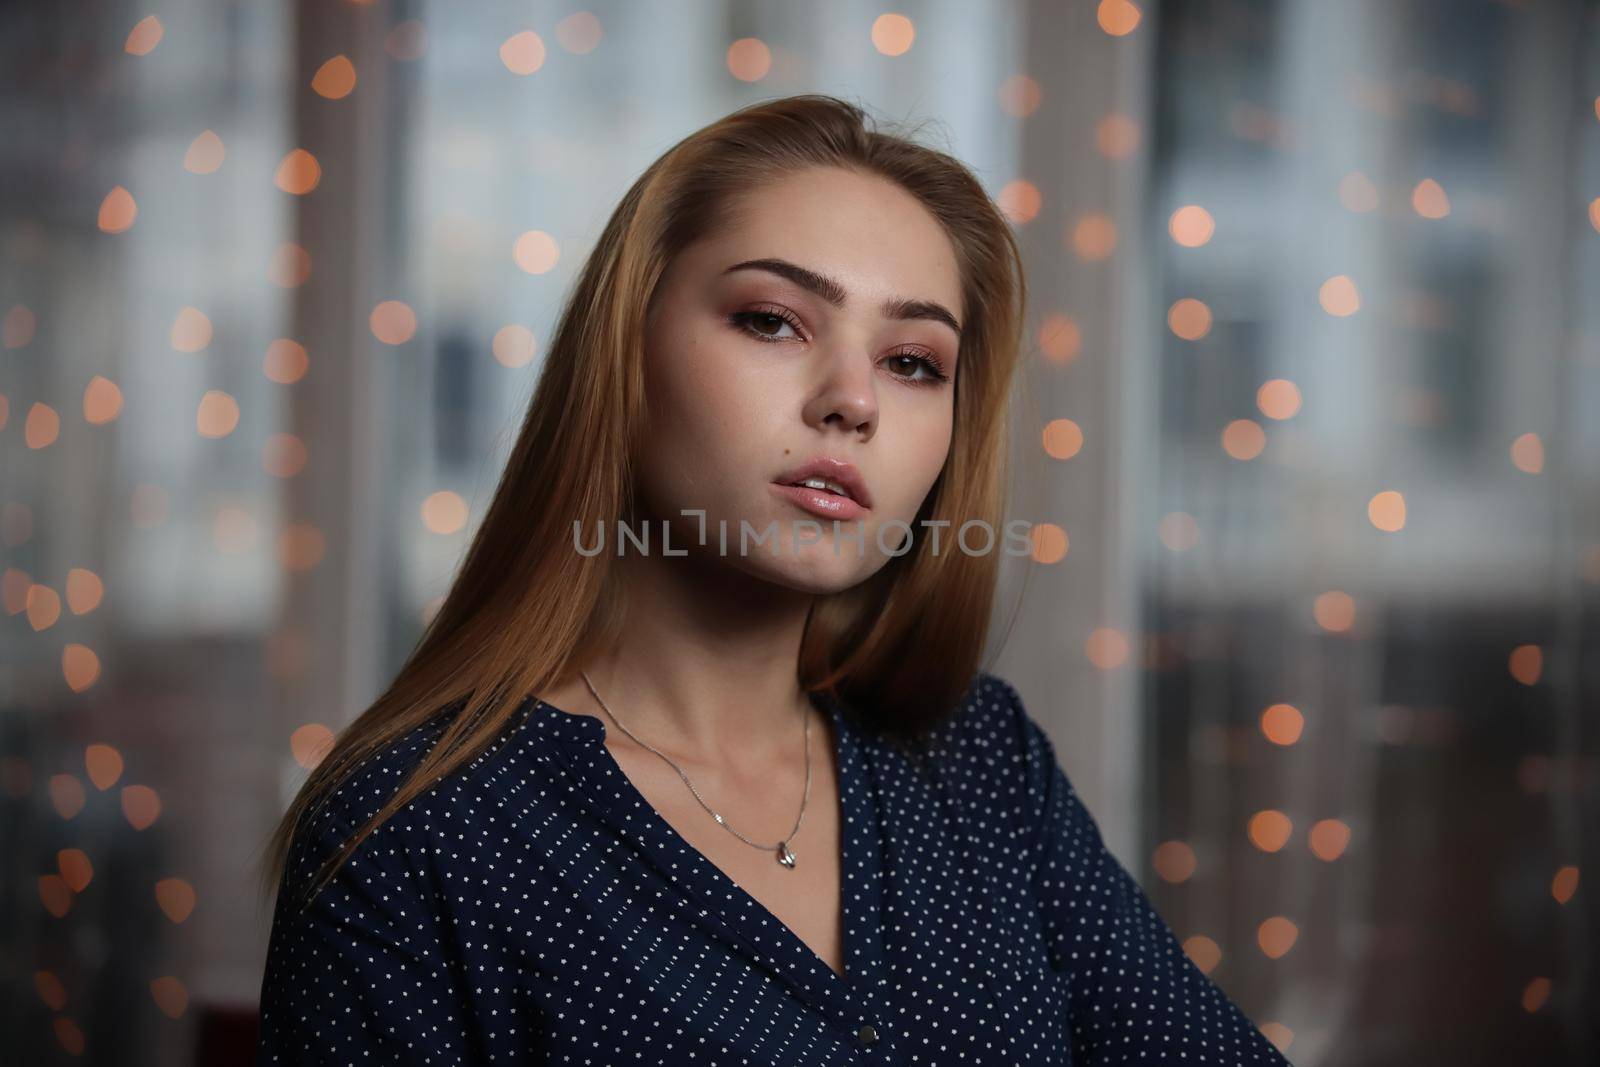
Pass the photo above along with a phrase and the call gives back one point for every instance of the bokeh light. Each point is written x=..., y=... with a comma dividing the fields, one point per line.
x=1116, y=136
x=1334, y=610
x=104, y=765
x=1357, y=193
x=892, y=34
x=1243, y=439
x=1060, y=340
x=298, y=172
x=1278, y=399
x=444, y=512
x=1282, y=724
x=335, y=79
x=144, y=36
x=205, y=154
x=1049, y=542
x=1387, y=510
x=1429, y=200
x=579, y=33
x=1020, y=96
x=522, y=53
x=1339, y=296
x=393, y=322
x=1093, y=237
x=1189, y=318
x=514, y=346
x=1276, y=936
x=1269, y=830
x=1020, y=200
x=1178, y=531
x=749, y=59
x=117, y=210
x=102, y=401
x=191, y=330
x=536, y=252
x=1205, y=952
x=1174, y=861
x=1191, y=226
x=1118, y=17
x=1106, y=647
x=1328, y=839
x=176, y=898
x=1063, y=438
x=310, y=744
x=286, y=361
x=407, y=42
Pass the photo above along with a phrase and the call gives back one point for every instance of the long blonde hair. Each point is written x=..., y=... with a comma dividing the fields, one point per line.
x=525, y=608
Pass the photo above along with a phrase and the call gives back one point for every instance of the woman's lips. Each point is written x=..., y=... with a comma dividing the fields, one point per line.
x=821, y=502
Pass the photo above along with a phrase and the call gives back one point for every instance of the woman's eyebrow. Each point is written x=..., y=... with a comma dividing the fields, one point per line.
x=834, y=293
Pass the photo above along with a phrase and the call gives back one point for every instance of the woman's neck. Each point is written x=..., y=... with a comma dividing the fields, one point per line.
x=705, y=664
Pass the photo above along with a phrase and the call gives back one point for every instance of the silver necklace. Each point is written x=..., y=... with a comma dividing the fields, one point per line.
x=784, y=854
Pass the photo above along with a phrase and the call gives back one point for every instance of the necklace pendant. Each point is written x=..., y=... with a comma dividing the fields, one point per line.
x=785, y=857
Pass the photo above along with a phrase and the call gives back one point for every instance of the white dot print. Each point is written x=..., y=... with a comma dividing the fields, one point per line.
x=533, y=908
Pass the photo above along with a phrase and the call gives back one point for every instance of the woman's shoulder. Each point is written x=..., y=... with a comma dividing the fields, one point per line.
x=364, y=789
x=990, y=722
x=995, y=753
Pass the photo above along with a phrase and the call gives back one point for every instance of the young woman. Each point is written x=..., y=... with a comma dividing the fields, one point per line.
x=725, y=800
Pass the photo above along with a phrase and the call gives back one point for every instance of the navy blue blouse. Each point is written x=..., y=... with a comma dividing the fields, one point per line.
x=534, y=908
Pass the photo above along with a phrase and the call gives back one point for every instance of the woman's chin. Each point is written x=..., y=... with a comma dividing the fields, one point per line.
x=810, y=569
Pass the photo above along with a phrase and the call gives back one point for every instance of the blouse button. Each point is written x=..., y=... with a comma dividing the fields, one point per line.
x=867, y=1034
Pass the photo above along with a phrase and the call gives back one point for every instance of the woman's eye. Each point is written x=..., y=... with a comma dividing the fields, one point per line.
x=906, y=361
x=766, y=325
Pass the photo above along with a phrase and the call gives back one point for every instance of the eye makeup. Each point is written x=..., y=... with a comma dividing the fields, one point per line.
x=745, y=321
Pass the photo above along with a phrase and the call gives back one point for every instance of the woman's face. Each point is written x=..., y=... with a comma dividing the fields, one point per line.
x=813, y=326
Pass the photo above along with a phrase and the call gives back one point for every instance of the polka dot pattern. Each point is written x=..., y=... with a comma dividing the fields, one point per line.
x=533, y=907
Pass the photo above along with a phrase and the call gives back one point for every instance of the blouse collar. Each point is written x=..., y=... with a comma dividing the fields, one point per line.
x=570, y=727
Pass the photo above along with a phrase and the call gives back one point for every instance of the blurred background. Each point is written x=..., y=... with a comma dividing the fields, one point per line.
x=1312, y=439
